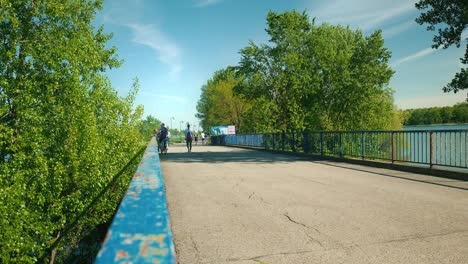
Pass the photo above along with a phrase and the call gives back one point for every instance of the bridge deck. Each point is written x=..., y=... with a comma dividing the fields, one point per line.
x=230, y=205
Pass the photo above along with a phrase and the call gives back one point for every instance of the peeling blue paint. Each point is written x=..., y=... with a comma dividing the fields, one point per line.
x=141, y=231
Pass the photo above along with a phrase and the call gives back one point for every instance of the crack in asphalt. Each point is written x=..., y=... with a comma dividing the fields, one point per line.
x=308, y=227
x=298, y=223
x=251, y=196
x=416, y=237
x=313, y=239
x=270, y=255
x=344, y=247
x=194, y=245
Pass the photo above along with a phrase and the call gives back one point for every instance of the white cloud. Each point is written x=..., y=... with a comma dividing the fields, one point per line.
x=117, y=11
x=178, y=99
x=444, y=99
x=414, y=56
x=129, y=13
x=395, y=30
x=207, y=3
x=365, y=14
x=151, y=36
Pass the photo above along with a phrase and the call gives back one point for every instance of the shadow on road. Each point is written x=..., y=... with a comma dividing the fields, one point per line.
x=215, y=154
x=456, y=184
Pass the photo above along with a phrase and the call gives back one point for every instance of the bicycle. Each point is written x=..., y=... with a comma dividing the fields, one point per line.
x=162, y=146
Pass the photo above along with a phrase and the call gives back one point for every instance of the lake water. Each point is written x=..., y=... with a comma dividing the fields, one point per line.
x=450, y=146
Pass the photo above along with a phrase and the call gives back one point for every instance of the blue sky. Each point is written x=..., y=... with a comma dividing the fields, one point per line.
x=174, y=46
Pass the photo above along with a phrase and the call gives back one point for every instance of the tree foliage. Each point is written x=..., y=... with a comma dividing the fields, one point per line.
x=437, y=115
x=219, y=105
x=311, y=77
x=452, y=15
x=148, y=125
x=64, y=132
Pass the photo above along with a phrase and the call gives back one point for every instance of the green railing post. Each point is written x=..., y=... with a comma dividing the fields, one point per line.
x=321, y=143
x=273, y=145
x=307, y=148
x=431, y=149
x=293, y=147
x=341, y=144
x=283, y=135
x=363, y=148
x=393, y=147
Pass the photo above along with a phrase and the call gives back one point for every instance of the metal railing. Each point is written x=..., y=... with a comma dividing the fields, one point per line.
x=447, y=148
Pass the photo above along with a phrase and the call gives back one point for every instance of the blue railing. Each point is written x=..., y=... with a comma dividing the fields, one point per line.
x=141, y=231
x=446, y=148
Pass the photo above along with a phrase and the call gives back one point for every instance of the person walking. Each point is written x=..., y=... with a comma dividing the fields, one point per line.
x=188, y=138
x=202, y=138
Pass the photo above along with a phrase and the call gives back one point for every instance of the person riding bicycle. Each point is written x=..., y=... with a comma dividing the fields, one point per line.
x=163, y=132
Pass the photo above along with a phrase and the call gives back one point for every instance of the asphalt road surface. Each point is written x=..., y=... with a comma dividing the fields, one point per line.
x=239, y=206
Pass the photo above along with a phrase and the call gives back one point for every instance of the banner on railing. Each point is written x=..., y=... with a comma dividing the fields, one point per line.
x=223, y=130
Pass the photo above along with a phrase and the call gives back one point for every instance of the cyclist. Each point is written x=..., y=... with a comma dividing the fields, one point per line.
x=162, y=139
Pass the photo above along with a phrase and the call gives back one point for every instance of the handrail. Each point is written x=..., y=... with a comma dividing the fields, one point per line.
x=447, y=148
x=141, y=231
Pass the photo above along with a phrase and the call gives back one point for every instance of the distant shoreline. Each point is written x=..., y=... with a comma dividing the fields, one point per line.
x=464, y=125
x=448, y=124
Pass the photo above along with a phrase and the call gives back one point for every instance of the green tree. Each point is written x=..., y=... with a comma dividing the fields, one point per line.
x=218, y=105
x=147, y=126
x=64, y=132
x=452, y=15
x=460, y=113
x=353, y=74
x=446, y=114
x=279, y=74
x=317, y=77
x=438, y=115
x=434, y=115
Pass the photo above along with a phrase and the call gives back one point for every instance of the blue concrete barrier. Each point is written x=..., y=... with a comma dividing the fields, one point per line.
x=141, y=231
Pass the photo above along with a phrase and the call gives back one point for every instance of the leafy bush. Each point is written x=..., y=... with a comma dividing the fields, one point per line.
x=65, y=134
